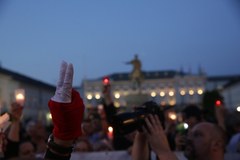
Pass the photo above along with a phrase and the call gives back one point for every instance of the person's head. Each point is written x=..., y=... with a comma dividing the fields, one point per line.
x=83, y=145
x=205, y=141
x=26, y=150
x=192, y=115
x=95, y=121
x=87, y=127
x=30, y=128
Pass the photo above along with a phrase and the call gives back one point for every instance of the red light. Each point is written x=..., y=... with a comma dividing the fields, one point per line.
x=218, y=103
x=106, y=81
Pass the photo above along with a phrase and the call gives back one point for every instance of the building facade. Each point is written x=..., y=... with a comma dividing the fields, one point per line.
x=165, y=87
x=231, y=94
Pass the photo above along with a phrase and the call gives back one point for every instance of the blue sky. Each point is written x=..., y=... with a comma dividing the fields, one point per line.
x=99, y=36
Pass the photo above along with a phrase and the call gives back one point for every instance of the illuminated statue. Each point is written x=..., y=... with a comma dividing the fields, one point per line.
x=136, y=74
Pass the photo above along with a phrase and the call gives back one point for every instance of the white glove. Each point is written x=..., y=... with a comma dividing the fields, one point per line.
x=63, y=93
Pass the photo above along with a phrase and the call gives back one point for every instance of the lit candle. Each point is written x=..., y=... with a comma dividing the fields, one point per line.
x=110, y=132
x=20, y=96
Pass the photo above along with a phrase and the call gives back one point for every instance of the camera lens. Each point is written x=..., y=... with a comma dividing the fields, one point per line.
x=125, y=123
x=128, y=122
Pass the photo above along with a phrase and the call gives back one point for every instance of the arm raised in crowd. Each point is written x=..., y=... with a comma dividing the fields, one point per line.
x=140, y=149
x=67, y=110
x=109, y=108
x=15, y=113
x=13, y=135
x=156, y=138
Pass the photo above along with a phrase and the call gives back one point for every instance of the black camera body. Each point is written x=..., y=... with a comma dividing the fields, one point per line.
x=128, y=122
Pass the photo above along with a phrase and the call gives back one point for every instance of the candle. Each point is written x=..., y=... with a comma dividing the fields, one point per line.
x=20, y=96
x=110, y=132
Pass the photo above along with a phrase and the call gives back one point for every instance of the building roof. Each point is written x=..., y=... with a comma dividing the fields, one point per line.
x=25, y=79
x=232, y=82
x=124, y=76
x=223, y=78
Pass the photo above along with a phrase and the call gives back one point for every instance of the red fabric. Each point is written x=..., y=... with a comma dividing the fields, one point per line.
x=67, y=117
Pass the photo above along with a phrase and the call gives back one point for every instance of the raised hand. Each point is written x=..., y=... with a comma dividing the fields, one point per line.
x=16, y=111
x=66, y=106
x=157, y=138
x=64, y=85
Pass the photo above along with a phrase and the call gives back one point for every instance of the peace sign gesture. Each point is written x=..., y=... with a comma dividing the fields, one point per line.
x=64, y=85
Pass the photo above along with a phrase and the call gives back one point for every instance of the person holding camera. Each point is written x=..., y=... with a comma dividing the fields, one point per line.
x=67, y=110
x=205, y=141
x=152, y=138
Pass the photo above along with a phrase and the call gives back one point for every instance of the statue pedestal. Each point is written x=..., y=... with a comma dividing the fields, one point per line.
x=137, y=99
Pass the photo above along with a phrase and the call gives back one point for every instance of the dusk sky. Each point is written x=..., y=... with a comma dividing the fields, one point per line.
x=99, y=36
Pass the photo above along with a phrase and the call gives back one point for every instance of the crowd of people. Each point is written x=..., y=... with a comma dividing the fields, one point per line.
x=78, y=129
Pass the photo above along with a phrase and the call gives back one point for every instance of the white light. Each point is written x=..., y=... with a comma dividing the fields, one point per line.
x=171, y=93
x=110, y=132
x=20, y=96
x=185, y=125
x=153, y=94
x=49, y=116
x=162, y=94
x=182, y=92
x=172, y=115
x=110, y=129
x=117, y=95
x=200, y=91
x=191, y=92
x=238, y=108
x=89, y=97
x=97, y=96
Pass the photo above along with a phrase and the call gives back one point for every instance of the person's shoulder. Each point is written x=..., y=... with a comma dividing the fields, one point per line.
x=231, y=156
x=234, y=144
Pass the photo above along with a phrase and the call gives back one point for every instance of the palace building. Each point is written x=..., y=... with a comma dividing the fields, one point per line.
x=174, y=88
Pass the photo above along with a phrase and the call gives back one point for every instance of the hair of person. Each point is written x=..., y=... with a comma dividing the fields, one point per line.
x=192, y=111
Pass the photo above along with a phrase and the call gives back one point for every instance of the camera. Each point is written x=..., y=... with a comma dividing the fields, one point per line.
x=128, y=122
